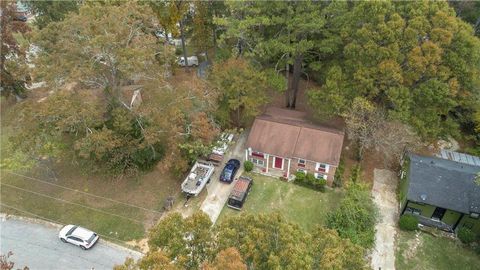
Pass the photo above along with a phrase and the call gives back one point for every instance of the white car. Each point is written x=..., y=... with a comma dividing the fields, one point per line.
x=192, y=61
x=78, y=236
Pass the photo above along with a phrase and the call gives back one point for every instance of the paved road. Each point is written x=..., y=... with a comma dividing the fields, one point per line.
x=384, y=185
x=37, y=246
x=217, y=191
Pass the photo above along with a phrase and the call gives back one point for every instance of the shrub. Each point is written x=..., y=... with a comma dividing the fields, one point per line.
x=355, y=174
x=320, y=184
x=299, y=177
x=408, y=223
x=338, y=178
x=356, y=217
x=248, y=166
x=466, y=235
x=309, y=180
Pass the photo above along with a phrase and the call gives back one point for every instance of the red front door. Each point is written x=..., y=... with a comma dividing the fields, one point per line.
x=278, y=162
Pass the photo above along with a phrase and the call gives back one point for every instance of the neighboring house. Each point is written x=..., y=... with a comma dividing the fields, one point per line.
x=441, y=192
x=282, y=142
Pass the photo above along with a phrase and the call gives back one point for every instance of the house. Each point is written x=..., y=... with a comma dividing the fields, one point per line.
x=282, y=142
x=441, y=192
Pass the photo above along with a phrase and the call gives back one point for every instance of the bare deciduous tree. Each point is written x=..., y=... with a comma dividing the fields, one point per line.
x=393, y=139
x=368, y=127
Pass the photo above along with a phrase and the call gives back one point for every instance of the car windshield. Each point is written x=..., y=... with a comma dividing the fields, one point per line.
x=71, y=230
x=91, y=238
x=227, y=173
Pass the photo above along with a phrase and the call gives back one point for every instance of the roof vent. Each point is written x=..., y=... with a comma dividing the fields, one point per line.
x=423, y=197
x=432, y=162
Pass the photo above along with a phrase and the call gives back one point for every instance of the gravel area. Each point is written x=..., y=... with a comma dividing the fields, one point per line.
x=384, y=195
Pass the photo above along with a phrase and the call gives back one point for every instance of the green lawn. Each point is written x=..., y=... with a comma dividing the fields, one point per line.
x=297, y=204
x=107, y=221
x=429, y=252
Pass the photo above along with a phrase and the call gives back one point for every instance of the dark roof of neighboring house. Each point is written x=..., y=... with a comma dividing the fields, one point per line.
x=444, y=183
x=286, y=133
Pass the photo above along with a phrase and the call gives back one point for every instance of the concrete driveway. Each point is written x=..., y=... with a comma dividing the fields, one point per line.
x=37, y=246
x=385, y=197
x=218, y=191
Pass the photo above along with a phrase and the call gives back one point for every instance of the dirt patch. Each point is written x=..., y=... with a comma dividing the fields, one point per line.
x=412, y=246
x=141, y=244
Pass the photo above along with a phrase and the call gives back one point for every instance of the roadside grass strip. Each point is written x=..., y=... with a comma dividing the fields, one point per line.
x=111, y=219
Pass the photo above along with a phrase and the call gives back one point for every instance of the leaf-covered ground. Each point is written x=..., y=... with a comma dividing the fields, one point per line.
x=297, y=204
x=423, y=251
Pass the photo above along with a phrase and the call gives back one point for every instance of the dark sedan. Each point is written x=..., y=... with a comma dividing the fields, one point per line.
x=228, y=173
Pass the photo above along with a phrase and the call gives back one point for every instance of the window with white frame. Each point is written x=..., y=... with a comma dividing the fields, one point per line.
x=301, y=163
x=258, y=162
x=320, y=176
x=321, y=167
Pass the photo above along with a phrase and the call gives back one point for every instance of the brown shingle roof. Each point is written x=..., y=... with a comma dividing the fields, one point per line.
x=286, y=133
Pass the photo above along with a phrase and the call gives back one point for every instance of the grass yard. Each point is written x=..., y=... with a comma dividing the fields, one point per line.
x=423, y=251
x=297, y=204
x=112, y=219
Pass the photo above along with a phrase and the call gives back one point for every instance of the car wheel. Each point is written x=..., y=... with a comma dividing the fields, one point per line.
x=84, y=248
x=63, y=240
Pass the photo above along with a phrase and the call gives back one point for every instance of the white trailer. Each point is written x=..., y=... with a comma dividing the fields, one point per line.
x=220, y=148
x=198, y=177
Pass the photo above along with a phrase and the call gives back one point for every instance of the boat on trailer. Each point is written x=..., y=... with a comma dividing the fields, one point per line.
x=197, y=178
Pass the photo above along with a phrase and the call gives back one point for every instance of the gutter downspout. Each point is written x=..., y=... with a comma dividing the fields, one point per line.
x=288, y=169
x=405, y=207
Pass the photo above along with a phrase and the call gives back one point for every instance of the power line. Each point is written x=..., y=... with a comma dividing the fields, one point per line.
x=65, y=201
x=85, y=193
x=51, y=220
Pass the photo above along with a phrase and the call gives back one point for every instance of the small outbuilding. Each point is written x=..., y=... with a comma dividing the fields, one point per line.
x=441, y=192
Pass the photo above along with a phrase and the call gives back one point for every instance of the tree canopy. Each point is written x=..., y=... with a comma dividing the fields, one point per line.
x=90, y=61
x=278, y=33
x=415, y=62
x=414, y=59
x=242, y=90
x=50, y=11
x=13, y=59
x=102, y=46
x=253, y=241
